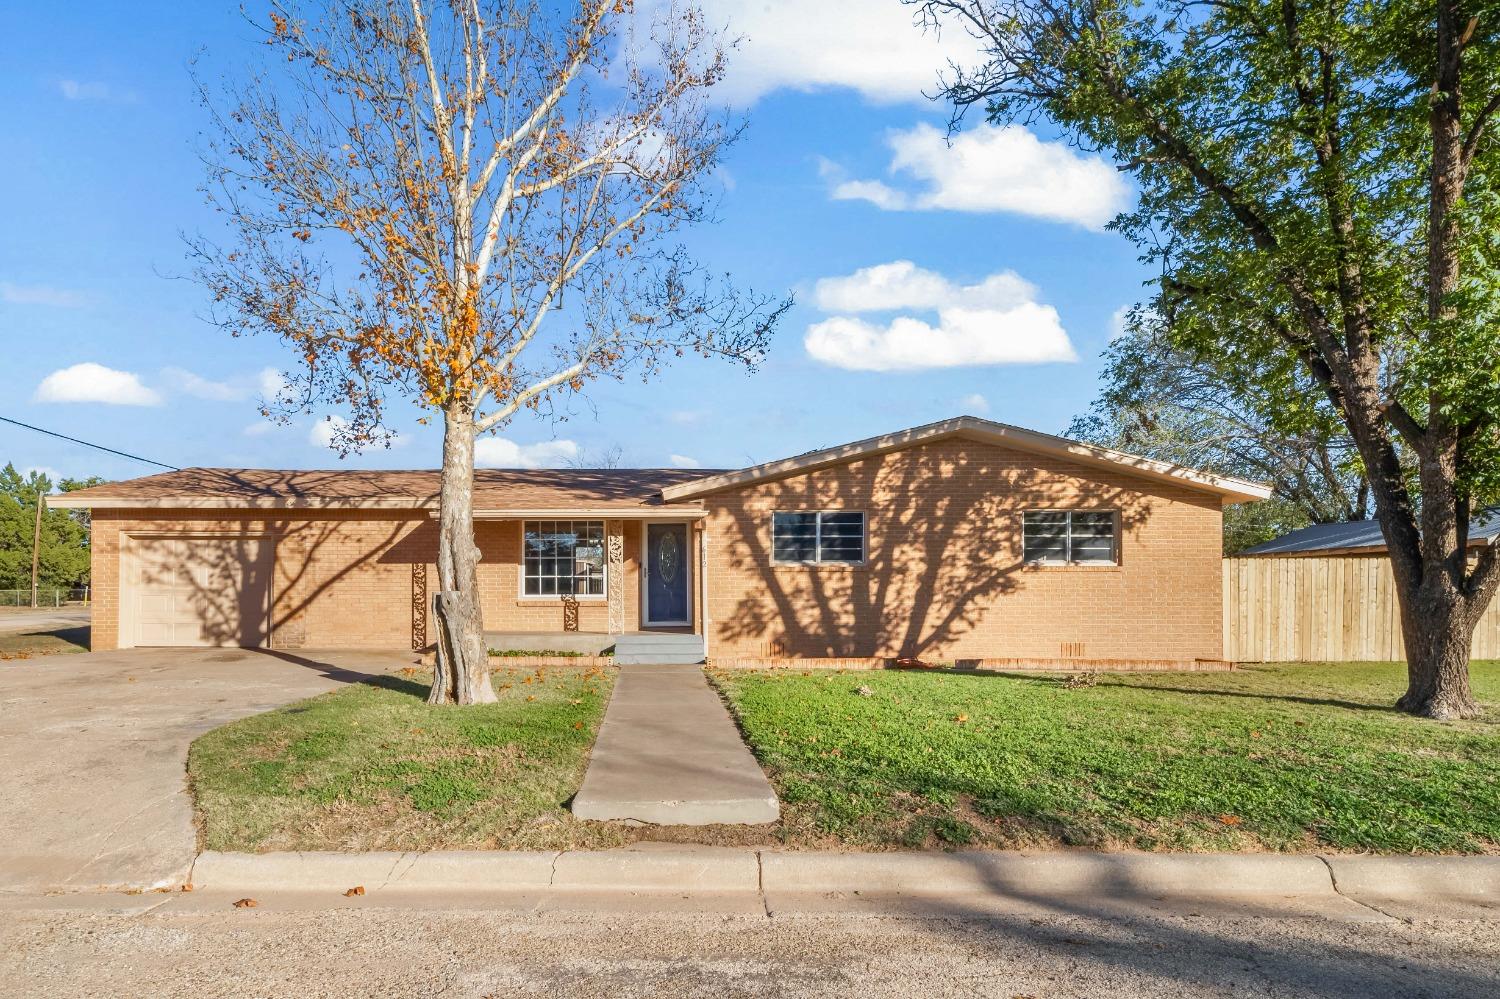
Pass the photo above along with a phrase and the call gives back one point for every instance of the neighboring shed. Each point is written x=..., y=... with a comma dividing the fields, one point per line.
x=1326, y=592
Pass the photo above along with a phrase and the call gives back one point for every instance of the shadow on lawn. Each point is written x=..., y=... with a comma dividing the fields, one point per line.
x=400, y=685
x=1114, y=680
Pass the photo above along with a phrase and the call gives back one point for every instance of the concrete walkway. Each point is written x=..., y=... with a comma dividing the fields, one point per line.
x=669, y=754
x=93, y=788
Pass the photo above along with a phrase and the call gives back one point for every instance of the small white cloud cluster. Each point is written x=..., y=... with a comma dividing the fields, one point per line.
x=497, y=452
x=994, y=321
x=989, y=169
x=90, y=382
x=874, y=47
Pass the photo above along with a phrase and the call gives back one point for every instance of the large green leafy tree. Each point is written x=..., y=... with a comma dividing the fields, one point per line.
x=63, y=560
x=1317, y=182
x=1205, y=411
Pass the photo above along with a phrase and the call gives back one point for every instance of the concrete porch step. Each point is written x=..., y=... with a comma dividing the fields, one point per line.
x=659, y=647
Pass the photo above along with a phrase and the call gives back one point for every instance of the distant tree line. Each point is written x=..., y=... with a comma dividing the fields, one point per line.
x=63, y=560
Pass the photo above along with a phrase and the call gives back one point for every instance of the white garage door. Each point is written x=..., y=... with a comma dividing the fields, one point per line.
x=198, y=591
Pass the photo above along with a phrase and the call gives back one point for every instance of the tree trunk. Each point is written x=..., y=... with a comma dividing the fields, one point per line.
x=461, y=674
x=1439, y=631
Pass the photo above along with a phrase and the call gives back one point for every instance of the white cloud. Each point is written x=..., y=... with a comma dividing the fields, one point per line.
x=260, y=428
x=875, y=47
x=990, y=169
x=993, y=321
x=901, y=284
x=1029, y=334
x=202, y=388
x=90, y=382
x=497, y=452
x=687, y=417
x=40, y=294
x=1119, y=322
x=683, y=461
x=90, y=90
x=974, y=403
x=323, y=433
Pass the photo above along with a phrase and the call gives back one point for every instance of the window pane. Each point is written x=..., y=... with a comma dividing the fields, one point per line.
x=843, y=537
x=794, y=537
x=1093, y=537
x=563, y=557
x=1045, y=537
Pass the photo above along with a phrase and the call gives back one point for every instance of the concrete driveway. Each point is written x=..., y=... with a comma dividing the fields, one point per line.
x=95, y=746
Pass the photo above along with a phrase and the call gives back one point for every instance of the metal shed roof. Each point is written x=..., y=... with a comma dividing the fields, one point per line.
x=1360, y=534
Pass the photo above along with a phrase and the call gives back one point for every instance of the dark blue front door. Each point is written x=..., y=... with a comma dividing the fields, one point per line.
x=666, y=574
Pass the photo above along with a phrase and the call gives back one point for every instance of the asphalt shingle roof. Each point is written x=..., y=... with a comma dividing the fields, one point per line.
x=494, y=488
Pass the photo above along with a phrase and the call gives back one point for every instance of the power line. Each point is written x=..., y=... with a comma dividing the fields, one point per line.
x=97, y=447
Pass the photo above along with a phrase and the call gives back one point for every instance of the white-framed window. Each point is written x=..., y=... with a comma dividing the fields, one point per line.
x=1061, y=537
x=834, y=537
x=562, y=558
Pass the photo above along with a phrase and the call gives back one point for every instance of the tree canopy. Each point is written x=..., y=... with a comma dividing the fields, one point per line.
x=1317, y=190
x=64, y=556
x=1179, y=404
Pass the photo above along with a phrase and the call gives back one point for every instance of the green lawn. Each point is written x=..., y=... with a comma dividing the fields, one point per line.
x=1293, y=757
x=30, y=644
x=373, y=767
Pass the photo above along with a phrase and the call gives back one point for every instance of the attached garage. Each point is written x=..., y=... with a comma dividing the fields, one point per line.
x=197, y=591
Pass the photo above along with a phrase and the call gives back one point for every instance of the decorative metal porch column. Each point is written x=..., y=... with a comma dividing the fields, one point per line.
x=614, y=574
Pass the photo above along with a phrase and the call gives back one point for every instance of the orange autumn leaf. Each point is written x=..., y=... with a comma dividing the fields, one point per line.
x=1230, y=820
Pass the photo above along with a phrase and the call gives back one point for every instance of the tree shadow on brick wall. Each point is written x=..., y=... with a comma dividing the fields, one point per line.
x=292, y=561
x=944, y=546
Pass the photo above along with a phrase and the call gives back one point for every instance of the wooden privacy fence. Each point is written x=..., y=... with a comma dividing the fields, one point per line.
x=1337, y=607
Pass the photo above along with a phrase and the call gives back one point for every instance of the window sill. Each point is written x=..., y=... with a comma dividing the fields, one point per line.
x=847, y=566
x=551, y=601
x=1084, y=566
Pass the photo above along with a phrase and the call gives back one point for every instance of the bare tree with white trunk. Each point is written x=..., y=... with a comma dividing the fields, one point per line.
x=475, y=207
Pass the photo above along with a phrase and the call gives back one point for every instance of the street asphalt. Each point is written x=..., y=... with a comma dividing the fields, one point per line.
x=200, y=945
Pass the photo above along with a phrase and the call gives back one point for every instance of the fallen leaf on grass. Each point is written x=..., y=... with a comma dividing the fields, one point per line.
x=578, y=724
x=531, y=697
x=246, y=903
x=356, y=890
x=961, y=718
x=1230, y=820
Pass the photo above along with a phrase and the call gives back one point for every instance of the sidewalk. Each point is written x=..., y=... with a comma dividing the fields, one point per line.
x=669, y=754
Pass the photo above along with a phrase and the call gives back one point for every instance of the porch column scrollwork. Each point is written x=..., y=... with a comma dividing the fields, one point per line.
x=614, y=574
x=418, y=606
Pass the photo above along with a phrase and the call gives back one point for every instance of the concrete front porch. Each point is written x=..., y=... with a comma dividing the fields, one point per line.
x=680, y=646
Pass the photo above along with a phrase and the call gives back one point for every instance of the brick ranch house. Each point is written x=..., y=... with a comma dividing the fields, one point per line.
x=960, y=539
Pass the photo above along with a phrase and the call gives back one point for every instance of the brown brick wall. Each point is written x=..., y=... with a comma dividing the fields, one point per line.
x=344, y=579
x=944, y=576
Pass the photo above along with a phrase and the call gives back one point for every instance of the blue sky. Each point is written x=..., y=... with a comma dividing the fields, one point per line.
x=995, y=283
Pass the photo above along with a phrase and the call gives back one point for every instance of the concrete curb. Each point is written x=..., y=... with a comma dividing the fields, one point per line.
x=664, y=867
x=1417, y=877
x=1049, y=873
x=443, y=869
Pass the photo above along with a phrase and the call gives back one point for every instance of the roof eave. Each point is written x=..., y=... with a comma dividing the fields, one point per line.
x=83, y=502
x=1230, y=490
